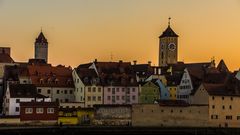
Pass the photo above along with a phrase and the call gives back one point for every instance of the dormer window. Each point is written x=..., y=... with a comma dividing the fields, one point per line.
x=69, y=81
x=41, y=81
x=49, y=80
x=56, y=81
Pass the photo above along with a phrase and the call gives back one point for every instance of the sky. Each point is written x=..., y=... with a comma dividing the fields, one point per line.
x=79, y=31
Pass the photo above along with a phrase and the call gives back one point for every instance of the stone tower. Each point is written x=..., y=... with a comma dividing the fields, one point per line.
x=168, y=47
x=41, y=47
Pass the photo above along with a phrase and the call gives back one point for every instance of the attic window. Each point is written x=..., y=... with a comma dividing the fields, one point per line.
x=69, y=81
x=49, y=80
x=56, y=81
x=41, y=81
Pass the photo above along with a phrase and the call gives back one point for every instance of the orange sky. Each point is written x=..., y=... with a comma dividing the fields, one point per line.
x=79, y=31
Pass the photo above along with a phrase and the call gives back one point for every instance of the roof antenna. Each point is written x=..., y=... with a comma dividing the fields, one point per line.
x=169, y=21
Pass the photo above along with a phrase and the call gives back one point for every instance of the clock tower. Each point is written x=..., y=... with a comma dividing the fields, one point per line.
x=168, y=47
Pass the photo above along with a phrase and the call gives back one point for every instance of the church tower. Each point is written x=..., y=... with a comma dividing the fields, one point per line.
x=168, y=47
x=41, y=47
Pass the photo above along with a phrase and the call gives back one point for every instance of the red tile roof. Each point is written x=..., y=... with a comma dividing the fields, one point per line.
x=50, y=76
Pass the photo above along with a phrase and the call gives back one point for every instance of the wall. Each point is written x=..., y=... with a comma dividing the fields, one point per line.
x=112, y=115
x=185, y=87
x=231, y=108
x=79, y=87
x=14, y=120
x=166, y=116
x=120, y=96
x=68, y=120
x=90, y=93
x=62, y=97
x=200, y=96
x=149, y=93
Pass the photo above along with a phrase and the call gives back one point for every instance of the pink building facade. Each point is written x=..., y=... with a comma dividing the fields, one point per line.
x=120, y=95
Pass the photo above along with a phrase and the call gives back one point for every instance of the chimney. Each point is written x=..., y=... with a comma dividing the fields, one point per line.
x=95, y=60
x=135, y=62
x=149, y=63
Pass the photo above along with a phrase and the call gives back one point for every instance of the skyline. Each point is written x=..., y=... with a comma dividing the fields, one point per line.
x=96, y=29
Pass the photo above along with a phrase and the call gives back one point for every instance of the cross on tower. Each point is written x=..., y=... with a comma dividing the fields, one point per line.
x=169, y=21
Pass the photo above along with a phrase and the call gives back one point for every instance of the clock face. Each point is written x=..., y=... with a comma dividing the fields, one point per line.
x=172, y=47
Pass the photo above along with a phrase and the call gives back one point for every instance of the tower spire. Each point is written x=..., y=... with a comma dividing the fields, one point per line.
x=169, y=21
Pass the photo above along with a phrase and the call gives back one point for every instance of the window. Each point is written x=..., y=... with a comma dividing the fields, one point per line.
x=99, y=98
x=89, y=98
x=228, y=117
x=238, y=117
x=71, y=92
x=222, y=98
x=57, y=91
x=230, y=107
x=128, y=90
x=171, y=111
x=17, y=100
x=99, y=89
x=133, y=97
x=113, y=99
x=66, y=100
x=231, y=98
x=17, y=109
x=213, y=106
x=212, y=97
x=28, y=110
x=113, y=90
x=214, y=116
x=223, y=107
x=109, y=98
x=94, y=89
x=65, y=91
x=48, y=91
x=109, y=89
x=94, y=98
x=180, y=111
x=39, y=90
x=123, y=90
x=133, y=89
x=39, y=110
x=89, y=89
x=162, y=110
x=50, y=110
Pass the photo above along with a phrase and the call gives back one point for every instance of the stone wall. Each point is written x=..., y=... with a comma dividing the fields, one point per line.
x=169, y=116
x=112, y=115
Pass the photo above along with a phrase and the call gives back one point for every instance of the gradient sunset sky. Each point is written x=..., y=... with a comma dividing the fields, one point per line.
x=78, y=31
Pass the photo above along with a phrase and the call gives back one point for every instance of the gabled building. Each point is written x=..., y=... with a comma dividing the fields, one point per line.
x=88, y=87
x=149, y=92
x=17, y=93
x=106, y=83
x=5, y=60
x=52, y=81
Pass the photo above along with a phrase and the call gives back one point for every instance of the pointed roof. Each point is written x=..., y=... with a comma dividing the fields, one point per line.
x=222, y=66
x=41, y=38
x=168, y=33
